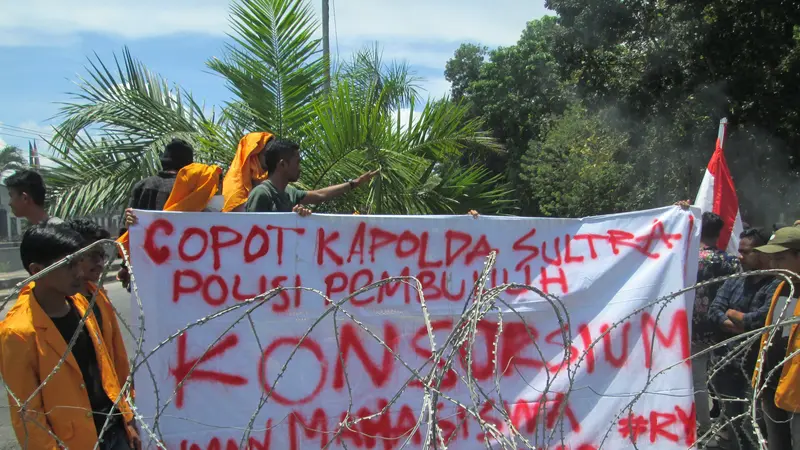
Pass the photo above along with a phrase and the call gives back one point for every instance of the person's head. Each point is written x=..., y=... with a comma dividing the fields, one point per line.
x=43, y=245
x=177, y=155
x=281, y=157
x=783, y=249
x=712, y=227
x=90, y=232
x=26, y=192
x=749, y=240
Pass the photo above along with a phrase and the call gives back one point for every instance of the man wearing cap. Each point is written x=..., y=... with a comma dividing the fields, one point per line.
x=780, y=398
x=151, y=194
x=741, y=305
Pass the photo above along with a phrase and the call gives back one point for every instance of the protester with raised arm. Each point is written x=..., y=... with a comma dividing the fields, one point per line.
x=281, y=160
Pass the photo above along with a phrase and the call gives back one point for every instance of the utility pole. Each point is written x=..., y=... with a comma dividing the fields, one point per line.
x=326, y=44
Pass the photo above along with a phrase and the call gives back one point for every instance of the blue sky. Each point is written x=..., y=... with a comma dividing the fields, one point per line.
x=44, y=44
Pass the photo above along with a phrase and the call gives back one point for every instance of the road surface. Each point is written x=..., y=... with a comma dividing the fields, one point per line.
x=121, y=300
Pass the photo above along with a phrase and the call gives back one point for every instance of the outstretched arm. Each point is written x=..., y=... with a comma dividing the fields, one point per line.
x=331, y=192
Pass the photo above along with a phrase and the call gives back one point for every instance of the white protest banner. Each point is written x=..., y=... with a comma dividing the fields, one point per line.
x=619, y=378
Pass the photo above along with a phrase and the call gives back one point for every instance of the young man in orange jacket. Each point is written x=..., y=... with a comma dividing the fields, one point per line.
x=70, y=408
x=92, y=268
x=781, y=395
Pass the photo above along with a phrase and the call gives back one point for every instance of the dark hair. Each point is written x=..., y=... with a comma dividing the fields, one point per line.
x=276, y=150
x=177, y=155
x=712, y=225
x=46, y=244
x=28, y=182
x=90, y=231
x=759, y=236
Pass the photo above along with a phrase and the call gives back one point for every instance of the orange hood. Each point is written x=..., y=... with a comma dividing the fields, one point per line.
x=245, y=168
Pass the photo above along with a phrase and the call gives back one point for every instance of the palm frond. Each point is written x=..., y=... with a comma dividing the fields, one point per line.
x=123, y=114
x=351, y=136
x=113, y=132
x=98, y=174
x=274, y=66
x=394, y=85
x=131, y=100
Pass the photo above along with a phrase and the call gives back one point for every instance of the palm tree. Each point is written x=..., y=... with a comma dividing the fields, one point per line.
x=135, y=113
x=274, y=68
x=11, y=158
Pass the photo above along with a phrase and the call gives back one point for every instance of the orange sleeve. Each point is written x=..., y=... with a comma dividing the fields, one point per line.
x=124, y=240
x=114, y=339
x=21, y=378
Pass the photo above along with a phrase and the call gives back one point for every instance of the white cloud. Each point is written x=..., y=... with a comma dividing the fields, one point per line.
x=48, y=22
x=424, y=33
x=499, y=22
x=437, y=87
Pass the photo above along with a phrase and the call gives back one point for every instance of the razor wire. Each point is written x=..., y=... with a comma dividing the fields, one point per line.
x=480, y=303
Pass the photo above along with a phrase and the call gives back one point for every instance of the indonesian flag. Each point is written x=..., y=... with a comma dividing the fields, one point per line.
x=718, y=195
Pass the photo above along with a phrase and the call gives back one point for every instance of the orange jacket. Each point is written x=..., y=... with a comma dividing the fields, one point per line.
x=112, y=334
x=787, y=395
x=30, y=348
x=195, y=185
x=245, y=168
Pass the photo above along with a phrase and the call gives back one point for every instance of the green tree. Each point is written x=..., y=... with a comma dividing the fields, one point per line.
x=11, y=158
x=675, y=68
x=517, y=91
x=273, y=66
x=464, y=68
x=579, y=169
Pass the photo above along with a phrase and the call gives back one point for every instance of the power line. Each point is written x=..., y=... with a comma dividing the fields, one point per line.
x=26, y=130
x=30, y=130
x=27, y=138
x=33, y=138
x=21, y=135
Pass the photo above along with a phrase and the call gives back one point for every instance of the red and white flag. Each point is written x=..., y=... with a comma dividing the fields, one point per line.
x=717, y=194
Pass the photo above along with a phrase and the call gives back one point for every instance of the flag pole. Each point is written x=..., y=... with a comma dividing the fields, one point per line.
x=723, y=130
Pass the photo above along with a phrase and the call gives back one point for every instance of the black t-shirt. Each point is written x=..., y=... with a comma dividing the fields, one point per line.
x=152, y=193
x=84, y=354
